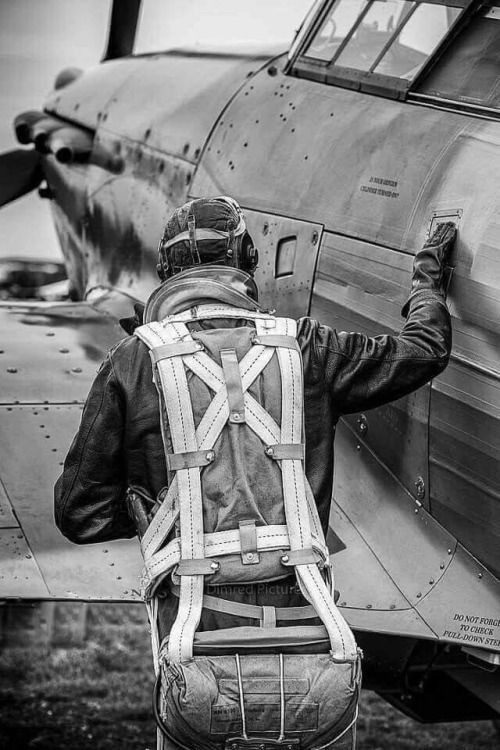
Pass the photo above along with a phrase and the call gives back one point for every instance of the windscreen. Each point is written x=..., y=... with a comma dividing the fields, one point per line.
x=469, y=69
x=218, y=24
x=389, y=37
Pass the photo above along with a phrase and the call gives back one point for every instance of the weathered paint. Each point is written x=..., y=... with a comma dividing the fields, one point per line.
x=316, y=152
x=378, y=174
x=110, y=233
x=50, y=355
x=360, y=286
x=330, y=158
x=288, y=251
x=400, y=542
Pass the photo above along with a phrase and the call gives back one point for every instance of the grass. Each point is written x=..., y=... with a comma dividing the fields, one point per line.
x=97, y=697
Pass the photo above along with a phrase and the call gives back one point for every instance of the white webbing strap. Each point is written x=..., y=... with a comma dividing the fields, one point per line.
x=297, y=509
x=266, y=614
x=152, y=612
x=269, y=538
x=269, y=431
x=168, y=512
x=177, y=400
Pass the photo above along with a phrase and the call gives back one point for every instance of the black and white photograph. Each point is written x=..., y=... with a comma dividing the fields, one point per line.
x=250, y=374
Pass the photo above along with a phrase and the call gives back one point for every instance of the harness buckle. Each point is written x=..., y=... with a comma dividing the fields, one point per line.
x=248, y=541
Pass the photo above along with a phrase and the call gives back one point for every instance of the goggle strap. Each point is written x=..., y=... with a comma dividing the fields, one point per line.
x=200, y=234
x=195, y=255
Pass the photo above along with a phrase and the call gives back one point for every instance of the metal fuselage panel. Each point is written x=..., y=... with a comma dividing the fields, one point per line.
x=377, y=174
x=154, y=114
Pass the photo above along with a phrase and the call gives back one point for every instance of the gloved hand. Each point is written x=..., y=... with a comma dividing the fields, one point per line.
x=430, y=266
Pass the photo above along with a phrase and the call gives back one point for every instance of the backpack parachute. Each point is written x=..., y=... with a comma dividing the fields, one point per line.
x=239, y=510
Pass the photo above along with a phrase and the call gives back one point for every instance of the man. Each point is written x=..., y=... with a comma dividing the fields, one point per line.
x=119, y=441
x=206, y=255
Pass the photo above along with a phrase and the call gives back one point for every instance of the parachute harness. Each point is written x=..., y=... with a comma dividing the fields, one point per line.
x=190, y=556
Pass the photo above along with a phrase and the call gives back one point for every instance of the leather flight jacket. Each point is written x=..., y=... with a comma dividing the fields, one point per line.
x=119, y=443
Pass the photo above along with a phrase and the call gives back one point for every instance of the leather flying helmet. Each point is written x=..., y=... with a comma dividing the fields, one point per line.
x=206, y=230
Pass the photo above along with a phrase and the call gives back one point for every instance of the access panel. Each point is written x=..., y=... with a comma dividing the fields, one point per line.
x=288, y=251
x=362, y=287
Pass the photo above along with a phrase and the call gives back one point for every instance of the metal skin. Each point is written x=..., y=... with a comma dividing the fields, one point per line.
x=415, y=524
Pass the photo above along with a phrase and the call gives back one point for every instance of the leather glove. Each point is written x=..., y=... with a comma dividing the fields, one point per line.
x=431, y=271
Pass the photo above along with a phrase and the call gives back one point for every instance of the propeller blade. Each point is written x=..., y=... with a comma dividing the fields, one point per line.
x=122, y=28
x=20, y=172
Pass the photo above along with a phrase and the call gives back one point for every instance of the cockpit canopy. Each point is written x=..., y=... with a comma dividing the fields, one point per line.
x=435, y=49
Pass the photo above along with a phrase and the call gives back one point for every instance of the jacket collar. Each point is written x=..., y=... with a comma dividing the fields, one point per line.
x=202, y=285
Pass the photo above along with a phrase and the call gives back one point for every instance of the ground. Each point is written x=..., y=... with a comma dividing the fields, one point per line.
x=97, y=696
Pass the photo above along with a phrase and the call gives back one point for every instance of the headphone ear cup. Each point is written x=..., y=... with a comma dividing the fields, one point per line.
x=249, y=255
x=253, y=258
x=163, y=266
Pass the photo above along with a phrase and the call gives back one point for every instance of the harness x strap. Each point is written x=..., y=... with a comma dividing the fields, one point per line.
x=190, y=554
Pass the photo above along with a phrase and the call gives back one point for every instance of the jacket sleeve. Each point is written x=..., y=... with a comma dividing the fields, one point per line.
x=89, y=496
x=363, y=372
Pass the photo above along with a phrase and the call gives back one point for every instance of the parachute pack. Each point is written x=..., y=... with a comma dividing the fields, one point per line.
x=239, y=516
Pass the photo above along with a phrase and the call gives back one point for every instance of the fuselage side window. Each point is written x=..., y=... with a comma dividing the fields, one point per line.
x=418, y=39
x=468, y=72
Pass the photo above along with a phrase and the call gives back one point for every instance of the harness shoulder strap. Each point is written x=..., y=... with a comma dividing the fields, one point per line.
x=297, y=510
